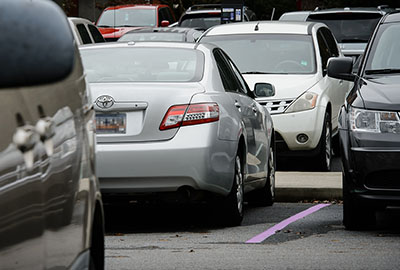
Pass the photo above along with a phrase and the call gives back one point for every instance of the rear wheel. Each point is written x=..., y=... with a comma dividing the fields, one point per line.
x=324, y=157
x=355, y=215
x=232, y=208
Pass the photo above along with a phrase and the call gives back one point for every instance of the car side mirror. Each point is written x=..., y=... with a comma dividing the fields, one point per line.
x=43, y=58
x=264, y=90
x=341, y=68
x=164, y=23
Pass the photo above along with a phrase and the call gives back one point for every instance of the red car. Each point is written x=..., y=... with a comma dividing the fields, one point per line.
x=117, y=20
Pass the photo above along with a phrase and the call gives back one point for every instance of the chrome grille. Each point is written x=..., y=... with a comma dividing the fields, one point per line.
x=276, y=106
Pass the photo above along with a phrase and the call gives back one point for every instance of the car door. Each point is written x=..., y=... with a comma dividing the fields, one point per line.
x=21, y=198
x=250, y=116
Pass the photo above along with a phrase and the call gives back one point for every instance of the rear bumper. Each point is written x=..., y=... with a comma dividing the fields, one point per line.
x=193, y=158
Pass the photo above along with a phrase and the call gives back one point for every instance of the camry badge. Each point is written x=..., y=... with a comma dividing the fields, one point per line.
x=105, y=101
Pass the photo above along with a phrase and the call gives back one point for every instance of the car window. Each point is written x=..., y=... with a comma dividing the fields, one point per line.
x=385, y=50
x=83, y=33
x=242, y=83
x=142, y=64
x=127, y=17
x=96, y=35
x=323, y=49
x=227, y=76
x=330, y=41
x=349, y=27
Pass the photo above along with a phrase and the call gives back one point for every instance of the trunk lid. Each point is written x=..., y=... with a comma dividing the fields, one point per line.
x=141, y=106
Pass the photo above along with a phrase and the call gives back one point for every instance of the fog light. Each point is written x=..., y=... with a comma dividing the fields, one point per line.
x=302, y=138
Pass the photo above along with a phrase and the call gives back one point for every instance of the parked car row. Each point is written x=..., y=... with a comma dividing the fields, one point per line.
x=193, y=117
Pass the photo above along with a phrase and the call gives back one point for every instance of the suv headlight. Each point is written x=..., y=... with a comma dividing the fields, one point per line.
x=306, y=101
x=374, y=121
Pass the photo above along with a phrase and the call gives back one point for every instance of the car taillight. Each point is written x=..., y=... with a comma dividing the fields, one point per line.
x=184, y=115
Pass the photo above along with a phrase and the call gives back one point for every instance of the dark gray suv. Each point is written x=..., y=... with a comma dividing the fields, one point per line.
x=51, y=214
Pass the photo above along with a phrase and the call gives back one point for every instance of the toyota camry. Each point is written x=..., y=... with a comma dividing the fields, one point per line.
x=176, y=118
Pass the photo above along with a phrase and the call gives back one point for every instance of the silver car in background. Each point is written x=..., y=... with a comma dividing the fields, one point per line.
x=179, y=117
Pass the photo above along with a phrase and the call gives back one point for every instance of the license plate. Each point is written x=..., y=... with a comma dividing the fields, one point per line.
x=111, y=123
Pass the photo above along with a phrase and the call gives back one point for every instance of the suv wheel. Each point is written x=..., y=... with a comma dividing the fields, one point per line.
x=324, y=158
x=355, y=215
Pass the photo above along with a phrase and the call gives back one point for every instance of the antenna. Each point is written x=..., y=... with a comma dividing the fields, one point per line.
x=256, y=27
x=273, y=12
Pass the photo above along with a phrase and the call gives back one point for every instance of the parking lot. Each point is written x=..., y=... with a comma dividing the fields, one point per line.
x=198, y=136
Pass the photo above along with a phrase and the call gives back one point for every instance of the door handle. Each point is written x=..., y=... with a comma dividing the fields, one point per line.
x=45, y=127
x=25, y=138
x=238, y=106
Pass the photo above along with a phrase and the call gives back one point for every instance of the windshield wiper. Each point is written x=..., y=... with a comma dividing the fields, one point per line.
x=103, y=26
x=382, y=71
x=255, y=72
x=124, y=25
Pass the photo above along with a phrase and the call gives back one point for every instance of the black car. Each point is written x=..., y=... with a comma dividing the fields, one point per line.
x=369, y=126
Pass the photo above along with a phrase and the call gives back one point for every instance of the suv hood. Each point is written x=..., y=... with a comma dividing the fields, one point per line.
x=286, y=86
x=381, y=93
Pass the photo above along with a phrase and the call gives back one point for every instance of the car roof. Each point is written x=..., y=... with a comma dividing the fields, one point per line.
x=263, y=27
x=183, y=45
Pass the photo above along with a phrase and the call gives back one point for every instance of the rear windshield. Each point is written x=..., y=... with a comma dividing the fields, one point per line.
x=268, y=53
x=200, y=21
x=142, y=65
x=157, y=36
x=127, y=18
x=349, y=27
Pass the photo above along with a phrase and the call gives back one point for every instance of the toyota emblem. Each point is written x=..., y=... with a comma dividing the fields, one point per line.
x=105, y=101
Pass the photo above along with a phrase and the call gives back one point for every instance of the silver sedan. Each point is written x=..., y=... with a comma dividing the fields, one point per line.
x=179, y=118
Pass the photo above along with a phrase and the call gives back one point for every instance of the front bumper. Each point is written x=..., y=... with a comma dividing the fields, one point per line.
x=371, y=164
x=289, y=125
x=193, y=158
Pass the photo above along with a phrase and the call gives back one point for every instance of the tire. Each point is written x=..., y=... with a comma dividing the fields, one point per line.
x=324, y=157
x=232, y=206
x=97, y=241
x=266, y=195
x=355, y=215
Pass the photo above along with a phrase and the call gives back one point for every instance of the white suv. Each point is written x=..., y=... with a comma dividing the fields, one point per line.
x=292, y=57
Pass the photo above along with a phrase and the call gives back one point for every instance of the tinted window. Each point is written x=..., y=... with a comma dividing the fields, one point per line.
x=272, y=53
x=128, y=17
x=97, y=37
x=349, y=26
x=228, y=78
x=200, y=21
x=84, y=34
x=385, y=51
x=330, y=41
x=30, y=59
x=323, y=49
x=142, y=65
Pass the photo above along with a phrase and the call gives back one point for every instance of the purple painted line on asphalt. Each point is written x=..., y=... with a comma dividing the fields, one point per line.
x=271, y=231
